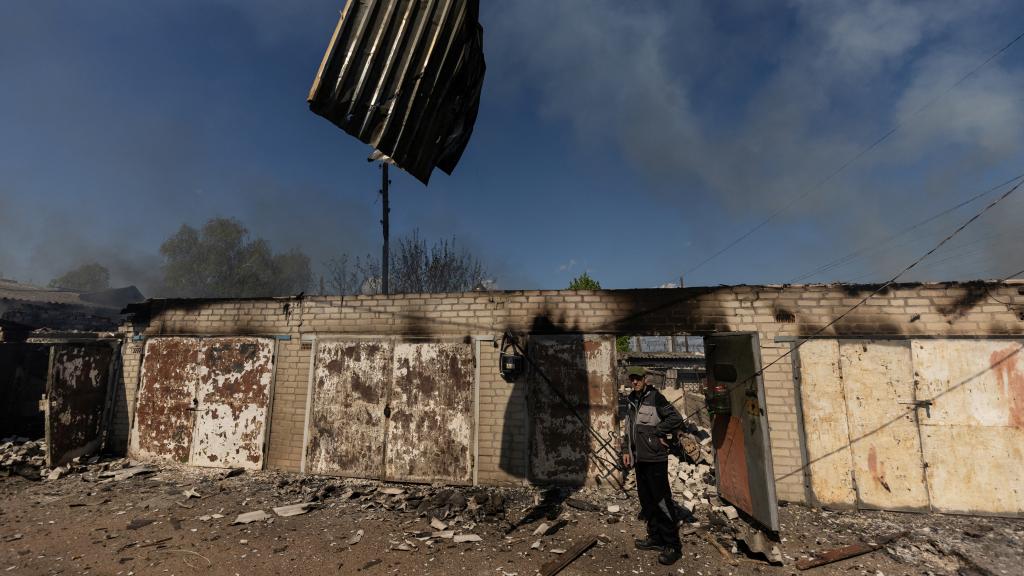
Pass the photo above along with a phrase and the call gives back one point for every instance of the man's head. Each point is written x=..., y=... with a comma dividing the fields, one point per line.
x=637, y=377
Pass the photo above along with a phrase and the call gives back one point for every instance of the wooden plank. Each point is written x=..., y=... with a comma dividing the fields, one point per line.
x=846, y=552
x=557, y=565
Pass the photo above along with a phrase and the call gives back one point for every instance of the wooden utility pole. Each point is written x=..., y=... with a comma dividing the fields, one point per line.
x=384, y=223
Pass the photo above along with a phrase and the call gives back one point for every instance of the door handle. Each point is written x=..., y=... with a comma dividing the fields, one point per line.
x=918, y=404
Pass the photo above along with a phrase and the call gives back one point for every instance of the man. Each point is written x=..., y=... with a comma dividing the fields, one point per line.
x=651, y=423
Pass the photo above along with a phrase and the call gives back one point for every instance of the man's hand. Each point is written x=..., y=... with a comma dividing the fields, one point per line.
x=627, y=460
x=663, y=442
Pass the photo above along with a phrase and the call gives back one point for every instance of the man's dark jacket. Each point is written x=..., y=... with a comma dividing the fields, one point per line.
x=649, y=417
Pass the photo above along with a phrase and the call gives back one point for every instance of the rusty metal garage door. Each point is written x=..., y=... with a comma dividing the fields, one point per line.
x=204, y=401
x=918, y=414
x=392, y=409
x=743, y=453
x=77, y=400
x=572, y=385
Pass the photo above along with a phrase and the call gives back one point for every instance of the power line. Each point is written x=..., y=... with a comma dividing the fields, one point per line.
x=855, y=158
x=876, y=291
x=852, y=256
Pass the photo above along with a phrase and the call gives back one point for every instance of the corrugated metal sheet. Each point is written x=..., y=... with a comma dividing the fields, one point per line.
x=580, y=368
x=404, y=76
x=77, y=400
x=204, y=401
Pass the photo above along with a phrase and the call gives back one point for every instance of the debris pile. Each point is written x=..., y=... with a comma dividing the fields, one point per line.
x=22, y=457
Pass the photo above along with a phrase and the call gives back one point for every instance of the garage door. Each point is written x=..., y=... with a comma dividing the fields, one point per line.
x=77, y=400
x=572, y=404
x=392, y=409
x=204, y=401
x=900, y=425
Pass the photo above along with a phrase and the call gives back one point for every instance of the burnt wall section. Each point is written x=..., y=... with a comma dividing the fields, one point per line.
x=928, y=310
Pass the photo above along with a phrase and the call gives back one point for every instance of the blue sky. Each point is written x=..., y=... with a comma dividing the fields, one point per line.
x=630, y=140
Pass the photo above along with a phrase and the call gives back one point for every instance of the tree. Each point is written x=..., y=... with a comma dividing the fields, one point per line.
x=415, y=267
x=86, y=278
x=584, y=282
x=220, y=261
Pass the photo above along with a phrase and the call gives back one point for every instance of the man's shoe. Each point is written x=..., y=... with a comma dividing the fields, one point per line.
x=648, y=544
x=669, y=556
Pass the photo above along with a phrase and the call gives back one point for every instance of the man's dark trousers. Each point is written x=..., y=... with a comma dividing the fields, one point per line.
x=656, y=504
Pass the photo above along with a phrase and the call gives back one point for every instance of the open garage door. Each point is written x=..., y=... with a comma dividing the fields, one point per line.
x=743, y=454
x=392, y=409
x=78, y=399
x=204, y=401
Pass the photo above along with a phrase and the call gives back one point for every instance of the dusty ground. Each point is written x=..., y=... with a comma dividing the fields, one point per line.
x=82, y=524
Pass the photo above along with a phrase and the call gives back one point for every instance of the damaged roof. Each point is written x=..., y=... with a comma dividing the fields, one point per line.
x=404, y=76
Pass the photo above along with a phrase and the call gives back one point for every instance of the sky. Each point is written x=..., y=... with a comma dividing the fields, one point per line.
x=630, y=141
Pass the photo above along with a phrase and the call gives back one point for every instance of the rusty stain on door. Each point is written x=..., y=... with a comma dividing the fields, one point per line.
x=77, y=400
x=430, y=430
x=743, y=457
x=581, y=369
x=204, y=401
x=349, y=397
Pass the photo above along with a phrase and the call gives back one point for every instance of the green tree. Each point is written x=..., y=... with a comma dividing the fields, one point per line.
x=86, y=278
x=221, y=261
x=584, y=282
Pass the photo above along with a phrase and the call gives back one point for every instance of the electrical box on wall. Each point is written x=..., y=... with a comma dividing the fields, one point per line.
x=511, y=362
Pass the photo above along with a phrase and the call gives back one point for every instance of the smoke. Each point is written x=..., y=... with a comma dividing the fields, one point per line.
x=752, y=105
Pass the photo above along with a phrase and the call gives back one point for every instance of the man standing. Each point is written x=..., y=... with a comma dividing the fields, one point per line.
x=650, y=425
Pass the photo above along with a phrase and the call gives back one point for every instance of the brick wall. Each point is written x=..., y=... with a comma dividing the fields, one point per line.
x=773, y=312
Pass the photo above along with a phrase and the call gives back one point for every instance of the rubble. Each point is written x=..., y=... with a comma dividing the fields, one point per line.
x=22, y=457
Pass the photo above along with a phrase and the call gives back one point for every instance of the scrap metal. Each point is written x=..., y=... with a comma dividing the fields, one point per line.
x=77, y=400
x=405, y=76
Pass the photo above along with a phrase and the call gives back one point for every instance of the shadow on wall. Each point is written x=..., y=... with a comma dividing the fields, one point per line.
x=567, y=431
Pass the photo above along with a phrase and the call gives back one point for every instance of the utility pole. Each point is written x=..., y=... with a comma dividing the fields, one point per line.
x=384, y=223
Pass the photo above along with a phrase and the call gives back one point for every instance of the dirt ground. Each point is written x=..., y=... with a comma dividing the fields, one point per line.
x=146, y=524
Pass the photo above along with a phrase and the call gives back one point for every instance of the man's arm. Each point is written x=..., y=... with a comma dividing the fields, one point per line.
x=670, y=418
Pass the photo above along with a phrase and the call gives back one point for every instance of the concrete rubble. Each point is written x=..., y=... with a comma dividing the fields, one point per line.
x=136, y=509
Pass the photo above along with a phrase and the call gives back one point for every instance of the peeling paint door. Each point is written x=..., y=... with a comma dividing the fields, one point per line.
x=972, y=423
x=392, y=409
x=347, y=408
x=204, y=401
x=823, y=403
x=77, y=400
x=932, y=424
x=572, y=390
x=232, y=393
x=743, y=455
x=886, y=451
x=430, y=428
